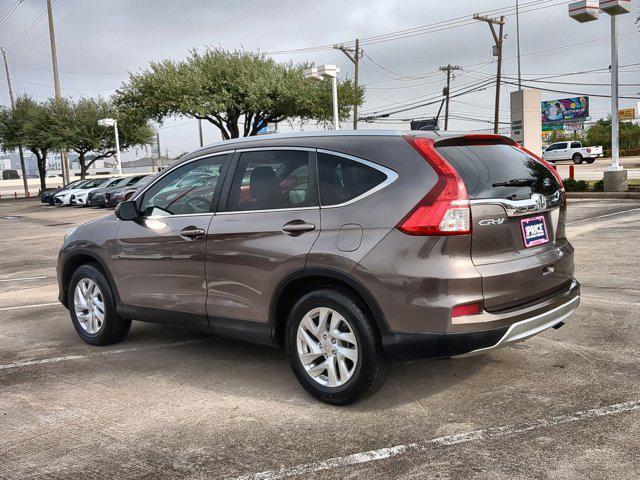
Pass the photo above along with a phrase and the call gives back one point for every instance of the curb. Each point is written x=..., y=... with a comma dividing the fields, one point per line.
x=605, y=195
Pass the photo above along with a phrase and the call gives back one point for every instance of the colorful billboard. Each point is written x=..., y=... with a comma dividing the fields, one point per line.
x=565, y=110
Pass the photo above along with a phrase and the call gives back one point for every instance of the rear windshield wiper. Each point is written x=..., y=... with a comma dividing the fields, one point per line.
x=515, y=182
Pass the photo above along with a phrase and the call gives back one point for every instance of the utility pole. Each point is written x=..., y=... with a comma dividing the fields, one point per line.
x=518, y=43
x=498, y=38
x=200, y=132
x=448, y=69
x=56, y=84
x=354, y=54
x=13, y=105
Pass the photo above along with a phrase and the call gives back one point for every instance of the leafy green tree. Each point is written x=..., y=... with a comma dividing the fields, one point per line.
x=30, y=124
x=76, y=123
x=238, y=92
x=600, y=134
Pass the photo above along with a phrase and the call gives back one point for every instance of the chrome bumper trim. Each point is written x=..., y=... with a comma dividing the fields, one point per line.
x=524, y=329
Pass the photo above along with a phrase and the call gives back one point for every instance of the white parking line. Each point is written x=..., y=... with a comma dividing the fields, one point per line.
x=68, y=358
x=22, y=279
x=35, y=305
x=603, y=216
x=474, y=436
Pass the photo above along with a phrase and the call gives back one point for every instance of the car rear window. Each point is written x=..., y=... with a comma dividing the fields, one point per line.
x=484, y=167
x=342, y=179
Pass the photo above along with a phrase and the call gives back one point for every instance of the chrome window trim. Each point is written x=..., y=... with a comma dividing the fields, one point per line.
x=235, y=212
x=392, y=176
x=517, y=208
x=178, y=165
x=262, y=149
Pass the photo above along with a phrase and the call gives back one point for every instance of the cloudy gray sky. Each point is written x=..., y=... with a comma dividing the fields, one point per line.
x=99, y=41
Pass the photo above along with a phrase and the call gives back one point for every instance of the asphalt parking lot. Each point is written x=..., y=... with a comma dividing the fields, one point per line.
x=168, y=403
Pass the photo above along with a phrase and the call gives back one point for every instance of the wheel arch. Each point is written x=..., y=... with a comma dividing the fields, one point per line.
x=305, y=280
x=75, y=261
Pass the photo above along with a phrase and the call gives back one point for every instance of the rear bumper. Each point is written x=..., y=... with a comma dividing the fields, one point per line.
x=549, y=313
x=524, y=329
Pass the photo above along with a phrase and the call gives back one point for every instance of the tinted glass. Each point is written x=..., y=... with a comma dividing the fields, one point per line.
x=144, y=181
x=95, y=183
x=186, y=190
x=576, y=145
x=484, y=168
x=342, y=179
x=272, y=179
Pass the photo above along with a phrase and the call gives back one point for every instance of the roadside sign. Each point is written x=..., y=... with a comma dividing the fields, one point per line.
x=627, y=114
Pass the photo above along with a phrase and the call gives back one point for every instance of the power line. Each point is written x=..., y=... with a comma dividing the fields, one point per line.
x=479, y=86
x=575, y=94
x=455, y=22
x=10, y=12
x=30, y=27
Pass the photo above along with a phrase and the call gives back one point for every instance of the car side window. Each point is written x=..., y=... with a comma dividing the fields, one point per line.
x=576, y=145
x=342, y=179
x=272, y=179
x=189, y=189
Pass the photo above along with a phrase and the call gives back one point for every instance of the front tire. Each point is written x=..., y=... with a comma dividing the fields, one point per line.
x=577, y=159
x=334, y=347
x=93, y=308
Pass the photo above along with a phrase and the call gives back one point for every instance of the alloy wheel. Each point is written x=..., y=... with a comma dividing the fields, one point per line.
x=327, y=347
x=89, y=306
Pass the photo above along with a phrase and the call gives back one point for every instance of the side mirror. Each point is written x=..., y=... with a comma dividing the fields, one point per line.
x=126, y=211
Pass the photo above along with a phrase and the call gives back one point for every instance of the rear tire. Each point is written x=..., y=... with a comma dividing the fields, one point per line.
x=94, y=313
x=347, y=342
x=577, y=158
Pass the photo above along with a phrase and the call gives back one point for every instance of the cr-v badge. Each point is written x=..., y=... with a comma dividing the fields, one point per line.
x=491, y=221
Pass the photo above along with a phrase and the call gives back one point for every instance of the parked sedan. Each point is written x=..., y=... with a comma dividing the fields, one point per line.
x=116, y=195
x=68, y=197
x=47, y=196
x=96, y=198
x=82, y=198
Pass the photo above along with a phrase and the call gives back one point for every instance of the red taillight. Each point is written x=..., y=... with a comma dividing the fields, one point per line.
x=445, y=209
x=545, y=163
x=468, y=309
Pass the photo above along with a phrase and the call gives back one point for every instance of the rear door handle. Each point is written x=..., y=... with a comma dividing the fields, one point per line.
x=297, y=227
x=191, y=233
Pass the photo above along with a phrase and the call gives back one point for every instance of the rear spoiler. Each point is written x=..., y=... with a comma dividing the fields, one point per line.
x=476, y=139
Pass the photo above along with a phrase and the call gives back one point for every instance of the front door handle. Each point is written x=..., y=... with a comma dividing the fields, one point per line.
x=191, y=233
x=297, y=227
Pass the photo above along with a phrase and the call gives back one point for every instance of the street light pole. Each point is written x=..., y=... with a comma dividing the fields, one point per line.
x=325, y=72
x=615, y=125
x=615, y=177
x=112, y=122
x=115, y=128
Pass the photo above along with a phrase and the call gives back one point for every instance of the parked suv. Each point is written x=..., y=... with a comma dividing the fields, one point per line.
x=348, y=249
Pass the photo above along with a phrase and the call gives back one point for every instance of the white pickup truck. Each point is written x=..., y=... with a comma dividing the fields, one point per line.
x=571, y=151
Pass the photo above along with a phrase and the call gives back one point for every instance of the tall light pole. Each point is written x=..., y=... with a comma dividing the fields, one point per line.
x=615, y=178
x=112, y=122
x=325, y=72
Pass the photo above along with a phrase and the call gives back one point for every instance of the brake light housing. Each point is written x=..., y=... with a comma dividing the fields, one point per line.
x=445, y=209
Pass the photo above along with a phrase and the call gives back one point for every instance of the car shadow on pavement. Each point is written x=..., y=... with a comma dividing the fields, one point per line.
x=258, y=371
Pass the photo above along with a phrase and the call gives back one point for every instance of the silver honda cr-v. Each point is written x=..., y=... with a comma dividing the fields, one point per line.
x=348, y=249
